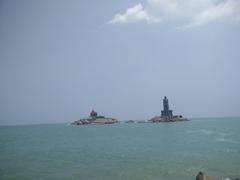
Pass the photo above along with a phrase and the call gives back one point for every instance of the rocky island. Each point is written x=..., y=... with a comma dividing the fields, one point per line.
x=167, y=114
x=94, y=118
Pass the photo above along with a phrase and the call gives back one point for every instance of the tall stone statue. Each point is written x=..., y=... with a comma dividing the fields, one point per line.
x=166, y=112
x=165, y=104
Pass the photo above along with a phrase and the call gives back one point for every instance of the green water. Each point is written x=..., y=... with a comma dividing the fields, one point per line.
x=165, y=151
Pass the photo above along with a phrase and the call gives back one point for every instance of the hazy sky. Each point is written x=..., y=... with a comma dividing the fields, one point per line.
x=61, y=59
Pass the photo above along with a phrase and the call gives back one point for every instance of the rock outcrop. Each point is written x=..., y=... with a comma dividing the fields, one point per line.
x=167, y=114
x=157, y=119
x=95, y=119
x=201, y=176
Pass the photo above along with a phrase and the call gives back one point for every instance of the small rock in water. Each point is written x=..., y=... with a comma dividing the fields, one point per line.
x=201, y=176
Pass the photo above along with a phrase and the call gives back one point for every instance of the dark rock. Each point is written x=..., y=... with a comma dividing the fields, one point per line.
x=200, y=176
x=130, y=121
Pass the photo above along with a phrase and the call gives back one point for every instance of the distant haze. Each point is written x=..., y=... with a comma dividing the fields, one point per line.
x=61, y=59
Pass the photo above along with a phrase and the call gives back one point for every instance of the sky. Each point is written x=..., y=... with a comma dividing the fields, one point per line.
x=60, y=59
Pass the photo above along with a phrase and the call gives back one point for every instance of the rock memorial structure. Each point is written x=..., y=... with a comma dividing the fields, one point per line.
x=94, y=118
x=167, y=114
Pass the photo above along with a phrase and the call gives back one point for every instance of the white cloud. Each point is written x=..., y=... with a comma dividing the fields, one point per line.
x=186, y=14
x=135, y=14
x=227, y=11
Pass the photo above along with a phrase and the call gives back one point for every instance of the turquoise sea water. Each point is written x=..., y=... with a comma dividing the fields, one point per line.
x=164, y=151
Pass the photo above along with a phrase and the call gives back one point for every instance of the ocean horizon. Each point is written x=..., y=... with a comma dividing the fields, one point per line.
x=135, y=151
x=119, y=121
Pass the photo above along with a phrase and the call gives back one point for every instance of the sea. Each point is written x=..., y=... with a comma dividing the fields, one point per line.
x=134, y=151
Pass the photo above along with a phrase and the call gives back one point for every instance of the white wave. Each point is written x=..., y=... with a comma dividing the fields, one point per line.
x=226, y=140
x=221, y=139
x=202, y=131
x=194, y=169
